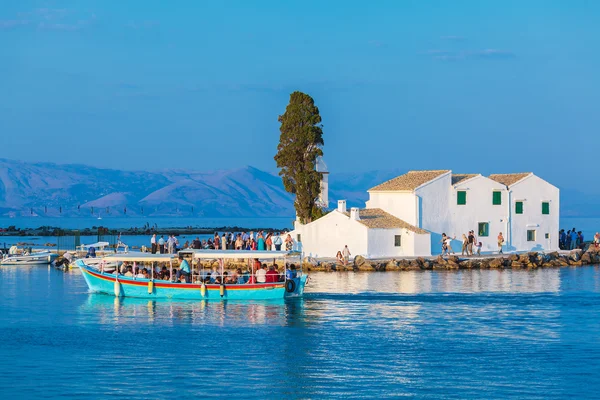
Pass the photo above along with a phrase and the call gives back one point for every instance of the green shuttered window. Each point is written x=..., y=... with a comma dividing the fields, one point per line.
x=545, y=207
x=484, y=229
x=461, y=197
x=519, y=207
x=497, y=198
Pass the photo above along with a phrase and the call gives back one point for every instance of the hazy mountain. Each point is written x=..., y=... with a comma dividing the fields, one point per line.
x=79, y=190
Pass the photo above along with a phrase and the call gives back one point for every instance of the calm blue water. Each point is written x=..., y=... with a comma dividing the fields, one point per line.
x=466, y=334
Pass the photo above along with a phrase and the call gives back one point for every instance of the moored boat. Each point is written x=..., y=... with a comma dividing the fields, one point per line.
x=198, y=288
x=33, y=258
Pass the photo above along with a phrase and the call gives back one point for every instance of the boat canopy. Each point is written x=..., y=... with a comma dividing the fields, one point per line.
x=95, y=245
x=232, y=254
x=139, y=257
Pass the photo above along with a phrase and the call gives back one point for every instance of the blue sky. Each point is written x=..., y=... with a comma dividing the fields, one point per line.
x=474, y=86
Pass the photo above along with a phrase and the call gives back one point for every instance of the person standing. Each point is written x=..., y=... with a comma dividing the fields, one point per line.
x=260, y=241
x=278, y=242
x=161, y=244
x=472, y=241
x=346, y=254
x=239, y=242
x=170, y=244
x=269, y=241
x=289, y=243
x=568, y=240
x=500, y=242
x=573, y=239
x=153, y=243
x=465, y=244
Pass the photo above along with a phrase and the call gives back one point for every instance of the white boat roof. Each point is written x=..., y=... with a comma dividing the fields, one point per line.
x=95, y=245
x=230, y=254
x=139, y=257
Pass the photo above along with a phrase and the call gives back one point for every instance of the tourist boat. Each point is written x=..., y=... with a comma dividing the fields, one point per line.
x=26, y=258
x=117, y=284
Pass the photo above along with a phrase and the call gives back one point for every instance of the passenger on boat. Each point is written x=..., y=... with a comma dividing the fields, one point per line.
x=291, y=272
x=196, y=244
x=184, y=269
x=214, y=275
x=271, y=275
x=239, y=242
x=260, y=242
x=261, y=274
x=146, y=274
x=129, y=272
x=253, y=245
x=91, y=252
x=161, y=244
x=140, y=274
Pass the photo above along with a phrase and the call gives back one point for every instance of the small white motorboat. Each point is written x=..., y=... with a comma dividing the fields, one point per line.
x=26, y=258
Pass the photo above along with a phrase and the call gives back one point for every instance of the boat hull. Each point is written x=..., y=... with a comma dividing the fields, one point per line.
x=130, y=287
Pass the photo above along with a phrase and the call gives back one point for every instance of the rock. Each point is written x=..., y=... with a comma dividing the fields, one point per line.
x=365, y=267
x=517, y=264
x=427, y=265
x=575, y=255
x=553, y=255
x=586, y=258
x=484, y=264
x=451, y=264
x=514, y=257
x=440, y=260
x=454, y=259
x=358, y=261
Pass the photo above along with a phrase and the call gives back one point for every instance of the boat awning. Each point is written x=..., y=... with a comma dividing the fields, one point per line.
x=139, y=257
x=231, y=254
x=95, y=245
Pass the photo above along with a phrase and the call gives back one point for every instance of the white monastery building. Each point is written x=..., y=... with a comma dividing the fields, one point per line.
x=407, y=215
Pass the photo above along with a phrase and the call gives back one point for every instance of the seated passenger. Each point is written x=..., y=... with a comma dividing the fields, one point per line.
x=91, y=252
x=140, y=273
x=184, y=269
x=261, y=274
x=231, y=279
x=129, y=273
x=291, y=272
x=272, y=275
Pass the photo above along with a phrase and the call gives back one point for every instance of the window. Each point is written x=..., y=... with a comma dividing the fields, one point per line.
x=299, y=238
x=497, y=198
x=397, y=241
x=519, y=207
x=547, y=236
x=461, y=197
x=484, y=229
x=545, y=207
x=531, y=235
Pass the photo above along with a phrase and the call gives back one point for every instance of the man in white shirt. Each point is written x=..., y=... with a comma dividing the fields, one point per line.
x=153, y=243
x=346, y=254
x=261, y=274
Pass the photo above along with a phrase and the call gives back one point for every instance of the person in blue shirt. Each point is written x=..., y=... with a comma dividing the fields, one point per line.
x=573, y=239
x=290, y=273
x=184, y=269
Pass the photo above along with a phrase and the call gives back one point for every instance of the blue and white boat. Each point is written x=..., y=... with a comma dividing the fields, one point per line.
x=16, y=257
x=117, y=284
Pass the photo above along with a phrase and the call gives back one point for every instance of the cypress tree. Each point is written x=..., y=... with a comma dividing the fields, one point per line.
x=300, y=143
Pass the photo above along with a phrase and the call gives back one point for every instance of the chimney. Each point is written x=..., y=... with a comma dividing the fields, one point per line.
x=341, y=206
x=354, y=214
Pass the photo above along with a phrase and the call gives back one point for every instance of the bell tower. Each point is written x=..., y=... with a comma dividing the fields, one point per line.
x=321, y=167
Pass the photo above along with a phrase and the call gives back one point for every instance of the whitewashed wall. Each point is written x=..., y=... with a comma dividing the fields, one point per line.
x=479, y=208
x=326, y=236
x=432, y=208
x=382, y=243
x=533, y=191
x=400, y=204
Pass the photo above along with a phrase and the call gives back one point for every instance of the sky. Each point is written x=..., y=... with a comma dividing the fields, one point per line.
x=472, y=86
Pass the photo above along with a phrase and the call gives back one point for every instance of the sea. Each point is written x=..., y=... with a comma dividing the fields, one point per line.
x=589, y=226
x=480, y=334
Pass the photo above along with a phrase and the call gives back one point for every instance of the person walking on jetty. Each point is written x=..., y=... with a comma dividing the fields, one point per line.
x=500, y=242
x=161, y=244
x=346, y=254
x=465, y=244
x=472, y=242
x=170, y=244
x=568, y=240
x=153, y=243
x=444, y=246
x=561, y=239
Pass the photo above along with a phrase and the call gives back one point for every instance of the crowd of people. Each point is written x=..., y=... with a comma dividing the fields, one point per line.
x=262, y=273
x=572, y=239
x=469, y=243
x=261, y=240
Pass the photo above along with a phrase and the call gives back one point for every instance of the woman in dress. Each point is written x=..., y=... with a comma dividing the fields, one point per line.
x=339, y=258
x=289, y=243
x=260, y=242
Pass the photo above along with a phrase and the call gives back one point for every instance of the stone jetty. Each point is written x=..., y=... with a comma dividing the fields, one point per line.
x=530, y=260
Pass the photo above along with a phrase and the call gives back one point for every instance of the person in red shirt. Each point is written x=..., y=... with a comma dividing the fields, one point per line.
x=272, y=275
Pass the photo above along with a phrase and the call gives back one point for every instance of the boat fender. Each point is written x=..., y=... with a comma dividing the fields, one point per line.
x=290, y=286
x=150, y=287
x=117, y=288
x=222, y=290
x=203, y=289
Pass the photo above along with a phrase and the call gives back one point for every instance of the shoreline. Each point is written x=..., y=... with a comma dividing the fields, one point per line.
x=525, y=260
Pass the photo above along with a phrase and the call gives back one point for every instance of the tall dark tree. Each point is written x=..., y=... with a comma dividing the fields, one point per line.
x=299, y=146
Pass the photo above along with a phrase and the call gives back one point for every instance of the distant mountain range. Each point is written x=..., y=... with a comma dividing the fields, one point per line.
x=47, y=189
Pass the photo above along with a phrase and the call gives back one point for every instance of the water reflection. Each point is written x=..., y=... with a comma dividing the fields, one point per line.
x=417, y=282
x=109, y=310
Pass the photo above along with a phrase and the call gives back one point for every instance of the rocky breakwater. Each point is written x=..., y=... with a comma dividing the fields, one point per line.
x=531, y=260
